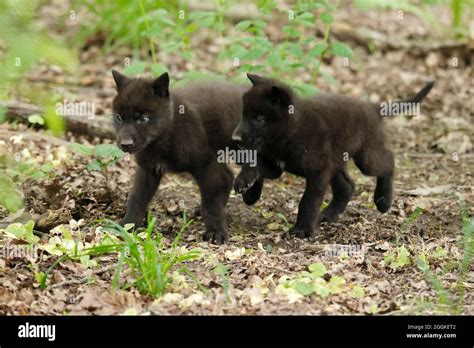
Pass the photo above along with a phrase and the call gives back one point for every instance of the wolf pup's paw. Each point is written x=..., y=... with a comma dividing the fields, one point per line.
x=302, y=233
x=328, y=217
x=383, y=202
x=216, y=237
x=127, y=220
x=244, y=181
x=252, y=195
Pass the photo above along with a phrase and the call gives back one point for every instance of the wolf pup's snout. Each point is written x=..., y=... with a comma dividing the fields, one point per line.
x=237, y=135
x=126, y=144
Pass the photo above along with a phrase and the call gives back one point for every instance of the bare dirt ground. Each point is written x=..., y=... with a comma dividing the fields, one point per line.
x=434, y=162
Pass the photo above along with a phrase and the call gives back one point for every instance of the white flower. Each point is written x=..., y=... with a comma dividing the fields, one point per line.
x=16, y=139
x=75, y=225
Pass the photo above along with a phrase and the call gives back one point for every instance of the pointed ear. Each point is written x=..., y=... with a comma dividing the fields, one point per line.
x=161, y=85
x=280, y=96
x=255, y=79
x=120, y=80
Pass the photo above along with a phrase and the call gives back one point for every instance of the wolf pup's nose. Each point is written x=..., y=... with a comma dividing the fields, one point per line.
x=236, y=136
x=126, y=144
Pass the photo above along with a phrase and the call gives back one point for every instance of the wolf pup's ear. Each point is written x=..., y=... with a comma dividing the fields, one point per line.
x=255, y=79
x=120, y=80
x=279, y=96
x=161, y=85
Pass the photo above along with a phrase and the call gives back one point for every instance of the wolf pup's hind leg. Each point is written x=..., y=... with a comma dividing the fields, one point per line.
x=379, y=162
x=342, y=188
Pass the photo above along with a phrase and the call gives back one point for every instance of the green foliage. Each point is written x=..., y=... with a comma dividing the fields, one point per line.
x=137, y=67
x=82, y=149
x=22, y=232
x=147, y=257
x=341, y=49
x=408, y=223
x=10, y=197
x=297, y=52
x=25, y=45
x=13, y=172
x=451, y=299
x=53, y=121
x=397, y=258
x=317, y=269
x=223, y=272
x=108, y=154
x=36, y=119
x=461, y=11
x=357, y=292
x=170, y=29
x=103, y=156
x=144, y=251
x=112, y=19
x=314, y=282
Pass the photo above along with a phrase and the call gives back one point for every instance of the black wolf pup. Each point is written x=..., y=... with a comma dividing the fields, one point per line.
x=314, y=138
x=179, y=131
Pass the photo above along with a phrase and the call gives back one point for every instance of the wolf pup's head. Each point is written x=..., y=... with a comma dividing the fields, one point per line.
x=142, y=111
x=266, y=108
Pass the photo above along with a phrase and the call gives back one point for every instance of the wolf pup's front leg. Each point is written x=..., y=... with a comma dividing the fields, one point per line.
x=144, y=187
x=215, y=183
x=308, y=209
x=250, y=180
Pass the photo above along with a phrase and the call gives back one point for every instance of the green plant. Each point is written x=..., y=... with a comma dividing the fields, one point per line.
x=397, y=258
x=105, y=155
x=24, y=45
x=459, y=8
x=144, y=251
x=117, y=20
x=297, y=52
x=23, y=232
x=148, y=259
x=452, y=299
x=172, y=28
x=314, y=281
x=408, y=223
x=15, y=170
x=401, y=5
x=223, y=272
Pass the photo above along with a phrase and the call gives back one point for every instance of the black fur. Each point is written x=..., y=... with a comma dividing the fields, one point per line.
x=313, y=138
x=178, y=131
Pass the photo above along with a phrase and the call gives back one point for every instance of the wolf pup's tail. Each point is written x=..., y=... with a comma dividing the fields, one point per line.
x=420, y=95
x=406, y=106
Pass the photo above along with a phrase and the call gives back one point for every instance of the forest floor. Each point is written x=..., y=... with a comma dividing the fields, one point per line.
x=434, y=161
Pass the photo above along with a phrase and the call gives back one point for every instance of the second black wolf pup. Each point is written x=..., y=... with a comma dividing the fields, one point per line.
x=181, y=131
x=314, y=137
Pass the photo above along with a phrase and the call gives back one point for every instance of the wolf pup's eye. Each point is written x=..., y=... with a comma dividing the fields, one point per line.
x=143, y=119
x=260, y=120
x=118, y=118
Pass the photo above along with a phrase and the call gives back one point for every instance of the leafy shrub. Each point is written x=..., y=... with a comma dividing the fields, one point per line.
x=170, y=29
